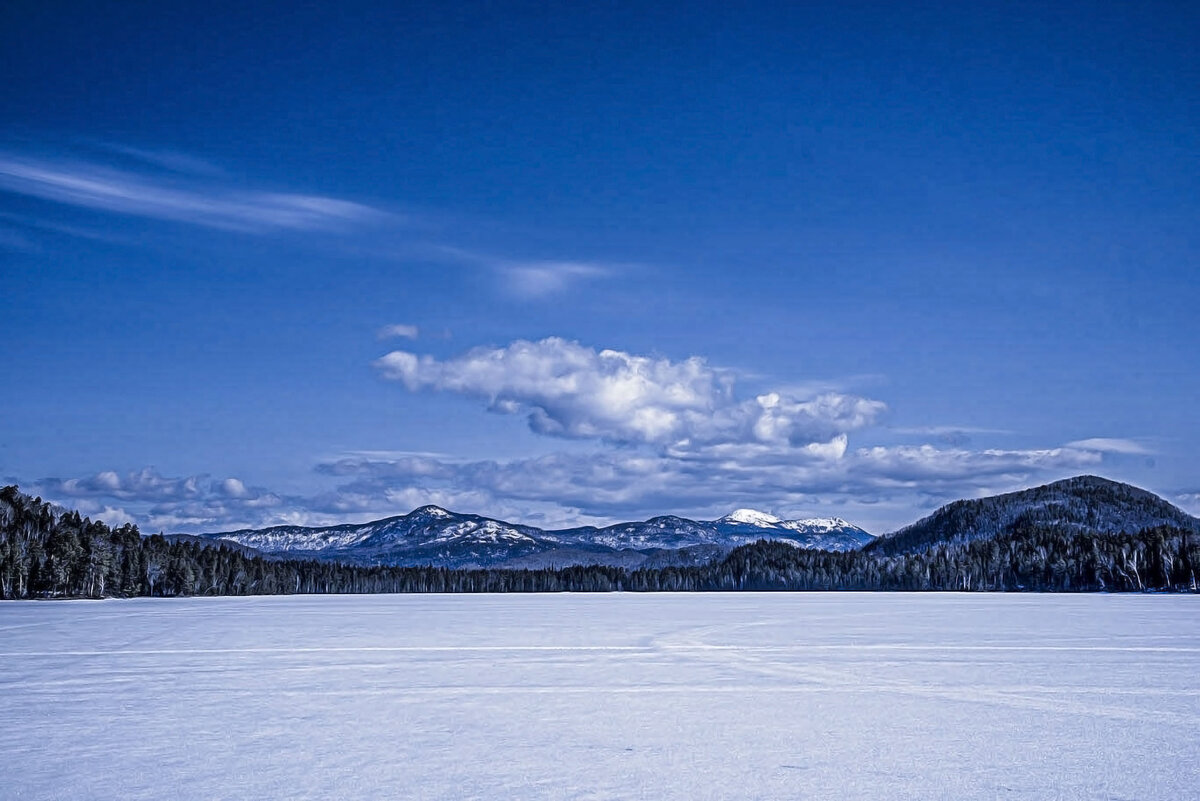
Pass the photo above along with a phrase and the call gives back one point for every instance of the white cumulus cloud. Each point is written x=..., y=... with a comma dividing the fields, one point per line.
x=566, y=389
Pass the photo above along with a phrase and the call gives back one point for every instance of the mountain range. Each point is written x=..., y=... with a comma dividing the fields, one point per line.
x=431, y=535
x=1084, y=534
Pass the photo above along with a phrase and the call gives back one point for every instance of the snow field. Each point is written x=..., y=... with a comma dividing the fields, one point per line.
x=679, y=696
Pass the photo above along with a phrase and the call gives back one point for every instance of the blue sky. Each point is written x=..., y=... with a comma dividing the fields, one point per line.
x=273, y=264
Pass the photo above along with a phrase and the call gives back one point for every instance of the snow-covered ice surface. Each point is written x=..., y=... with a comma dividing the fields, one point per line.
x=723, y=696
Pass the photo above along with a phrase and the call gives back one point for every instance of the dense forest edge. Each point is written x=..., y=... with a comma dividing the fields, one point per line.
x=47, y=552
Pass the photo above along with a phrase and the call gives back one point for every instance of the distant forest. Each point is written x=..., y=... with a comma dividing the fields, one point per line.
x=48, y=553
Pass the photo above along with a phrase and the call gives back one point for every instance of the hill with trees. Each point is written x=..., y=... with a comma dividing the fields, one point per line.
x=1086, y=504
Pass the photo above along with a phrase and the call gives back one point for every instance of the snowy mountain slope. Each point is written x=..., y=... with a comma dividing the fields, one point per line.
x=428, y=535
x=825, y=533
x=432, y=535
x=1086, y=503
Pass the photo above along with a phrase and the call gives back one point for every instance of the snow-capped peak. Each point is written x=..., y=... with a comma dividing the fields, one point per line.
x=751, y=517
x=431, y=511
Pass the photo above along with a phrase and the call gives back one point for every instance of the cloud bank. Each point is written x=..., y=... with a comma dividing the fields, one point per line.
x=156, y=502
x=622, y=484
x=667, y=436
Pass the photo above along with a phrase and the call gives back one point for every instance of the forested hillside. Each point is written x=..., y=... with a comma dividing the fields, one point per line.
x=46, y=552
x=1085, y=504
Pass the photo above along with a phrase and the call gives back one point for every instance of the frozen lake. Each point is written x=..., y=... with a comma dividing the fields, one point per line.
x=787, y=696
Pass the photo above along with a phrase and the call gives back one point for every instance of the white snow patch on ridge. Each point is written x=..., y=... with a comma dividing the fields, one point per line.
x=430, y=511
x=817, y=523
x=751, y=517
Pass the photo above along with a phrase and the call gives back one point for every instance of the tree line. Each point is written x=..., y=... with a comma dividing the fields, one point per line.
x=51, y=553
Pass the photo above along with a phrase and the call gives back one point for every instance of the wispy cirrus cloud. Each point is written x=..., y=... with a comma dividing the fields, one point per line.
x=1129, y=447
x=532, y=278
x=165, y=158
x=947, y=430
x=177, y=198
x=956, y=436
x=167, y=185
x=398, y=331
x=537, y=279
